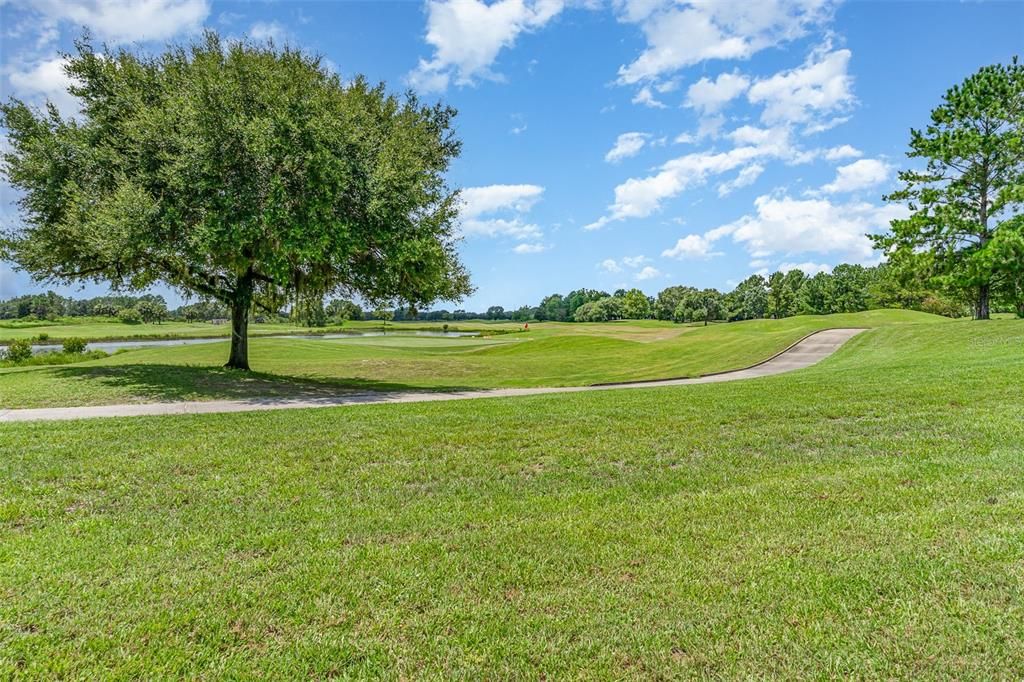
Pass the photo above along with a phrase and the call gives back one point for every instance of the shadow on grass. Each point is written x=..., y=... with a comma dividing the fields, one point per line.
x=172, y=383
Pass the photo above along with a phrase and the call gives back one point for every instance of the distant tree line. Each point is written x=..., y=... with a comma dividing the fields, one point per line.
x=52, y=306
x=846, y=289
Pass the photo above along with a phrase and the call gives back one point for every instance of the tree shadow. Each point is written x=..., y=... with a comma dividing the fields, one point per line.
x=175, y=383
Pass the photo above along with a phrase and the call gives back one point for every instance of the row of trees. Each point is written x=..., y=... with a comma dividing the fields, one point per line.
x=52, y=306
x=848, y=288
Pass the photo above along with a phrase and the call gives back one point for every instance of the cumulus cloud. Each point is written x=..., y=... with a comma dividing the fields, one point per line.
x=842, y=152
x=497, y=211
x=269, y=30
x=647, y=273
x=788, y=226
x=858, y=175
x=44, y=81
x=693, y=247
x=747, y=176
x=821, y=86
x=681, y=34
x=808, y=268
x=480, y=200
x=641, y=197
x=645, y=97
x=528, y=247
x=468, y=35
x=638, y=264
x=626, y=145
x=124, y=21
x=709, y=96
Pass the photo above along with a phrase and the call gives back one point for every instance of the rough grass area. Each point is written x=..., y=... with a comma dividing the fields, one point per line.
x=861, y=518
x=547, y=355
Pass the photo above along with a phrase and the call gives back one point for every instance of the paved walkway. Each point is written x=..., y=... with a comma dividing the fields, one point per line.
x=804, y=353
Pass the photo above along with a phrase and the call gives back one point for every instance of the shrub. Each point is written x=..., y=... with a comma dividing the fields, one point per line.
x=43, y=337
x=943, y=306
x=74, y=345
x=129, y=316
x=19, y=351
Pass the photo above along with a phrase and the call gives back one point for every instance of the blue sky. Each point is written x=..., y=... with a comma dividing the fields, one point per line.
x=610, y=144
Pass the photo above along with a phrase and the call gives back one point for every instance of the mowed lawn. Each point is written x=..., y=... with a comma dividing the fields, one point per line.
x=859, y=518
x=100, y=329
x=550, y=354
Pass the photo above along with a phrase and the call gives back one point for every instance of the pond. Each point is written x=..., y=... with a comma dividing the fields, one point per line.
x=114, y=346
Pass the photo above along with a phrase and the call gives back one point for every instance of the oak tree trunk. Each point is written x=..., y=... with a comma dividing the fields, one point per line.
x=981, y=307
x=240, y=306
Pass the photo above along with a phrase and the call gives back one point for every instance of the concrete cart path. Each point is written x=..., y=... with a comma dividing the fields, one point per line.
x=804, y=353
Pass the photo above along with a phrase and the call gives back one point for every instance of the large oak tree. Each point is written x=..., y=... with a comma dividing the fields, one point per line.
x=969, y=191
x=239, y=172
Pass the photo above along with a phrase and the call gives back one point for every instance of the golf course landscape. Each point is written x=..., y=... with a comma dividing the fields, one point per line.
x=547, y=354
x=857, y=518
x=511, y=340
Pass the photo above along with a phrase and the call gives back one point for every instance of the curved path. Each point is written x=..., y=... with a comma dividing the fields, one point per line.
x=804, y=353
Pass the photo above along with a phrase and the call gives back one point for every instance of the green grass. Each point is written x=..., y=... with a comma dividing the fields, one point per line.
x=861, y=518
x=99, y=329
x=550, y=354
x=107, y=329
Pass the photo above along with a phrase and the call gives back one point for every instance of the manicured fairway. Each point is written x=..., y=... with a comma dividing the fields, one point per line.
x=548, y=355
x=861, y=518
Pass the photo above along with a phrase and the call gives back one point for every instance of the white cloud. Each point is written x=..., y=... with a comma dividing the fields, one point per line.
x=667, y=86
x=820, y=86
x=647, y=273
x=626, y=145
x=807, y=268
x=640, y=197
x=680, y=34
x=124, y=21
x=692, y=247
x=480, y=200
x=468, y=35
x=858, y=175
x=842, y=152
x=635, y=261
x=747, y=176
x=528, y=247
x=783, y=225
x=480, y=204
x=645, y=97
x=684, y=138
x=709, y=96
x=269, y=30
x=42, y=81
x=515, y=228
